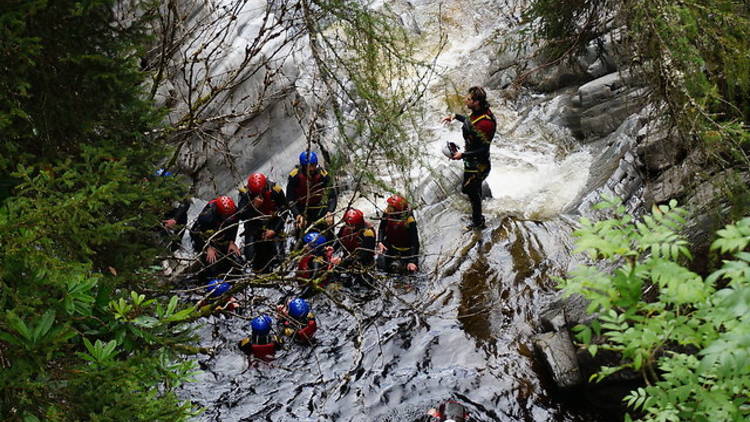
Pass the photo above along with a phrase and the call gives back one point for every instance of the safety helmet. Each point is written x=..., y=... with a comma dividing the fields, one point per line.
x=261, y=324
x=217, y=287
x=354, y=217
x=397, y=202
x=256, y=183
x=225, y=205
x=314, y=239
x=298, y=308
x=308, y=157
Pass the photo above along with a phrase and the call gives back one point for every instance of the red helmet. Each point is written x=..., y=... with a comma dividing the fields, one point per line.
x=256, y=183
x=398, y=202
x=225, y=205
x=354, y=217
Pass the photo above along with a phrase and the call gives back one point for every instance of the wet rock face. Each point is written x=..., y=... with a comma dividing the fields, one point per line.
x=598, y=107
x=659, y=148
x=269, y=143
x=520, y=61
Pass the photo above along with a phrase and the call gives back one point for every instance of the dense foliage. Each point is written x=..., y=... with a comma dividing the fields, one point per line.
x=692, y=54
x=75, y=222
x=687, y=335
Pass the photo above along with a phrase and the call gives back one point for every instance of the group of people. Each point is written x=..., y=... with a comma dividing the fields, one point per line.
x=324, y=249
x=310, y=199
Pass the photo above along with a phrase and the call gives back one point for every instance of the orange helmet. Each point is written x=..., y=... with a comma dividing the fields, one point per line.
x=398, y=202
x=225, y=205
x=354, y=217
x=256, y=183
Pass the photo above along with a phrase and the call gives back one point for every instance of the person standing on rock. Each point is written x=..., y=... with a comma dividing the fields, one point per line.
x=478, y=130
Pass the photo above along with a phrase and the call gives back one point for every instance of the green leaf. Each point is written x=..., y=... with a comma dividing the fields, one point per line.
x=18, y=325
x=43, y=326
x=146, y=321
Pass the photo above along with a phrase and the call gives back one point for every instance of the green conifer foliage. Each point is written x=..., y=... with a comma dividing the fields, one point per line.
x=75, y=223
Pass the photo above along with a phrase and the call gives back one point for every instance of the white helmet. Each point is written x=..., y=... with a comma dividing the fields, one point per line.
x=449, y=149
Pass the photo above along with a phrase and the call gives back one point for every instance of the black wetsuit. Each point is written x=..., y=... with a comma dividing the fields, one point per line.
x=478, y=131
x=263, y=254
x=218, y=231
x=398, y=232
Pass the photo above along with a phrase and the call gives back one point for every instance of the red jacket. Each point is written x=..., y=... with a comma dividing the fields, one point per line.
x=302, y=335
x=264, y=349
x=313, y=266
x=315, y=191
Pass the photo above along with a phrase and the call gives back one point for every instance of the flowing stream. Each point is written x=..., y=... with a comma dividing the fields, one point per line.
x=462, y=328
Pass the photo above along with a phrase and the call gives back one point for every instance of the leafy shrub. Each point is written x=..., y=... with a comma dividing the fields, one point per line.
x=76, y=222
x=691, y=340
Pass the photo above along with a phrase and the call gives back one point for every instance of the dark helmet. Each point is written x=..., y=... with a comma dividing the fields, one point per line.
x=314, y=239
x=453, y=411
x=354, y=217
x=261, y=324
x=298, y=308
x=398, y=202
x=225, y=205
x=256, y=183
x=308, y=157
x=216, y=287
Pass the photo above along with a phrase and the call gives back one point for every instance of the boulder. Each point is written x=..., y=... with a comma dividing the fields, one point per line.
x=676, y=181
x=604, y=88
x=557, y=350
x=603, y=118
x=659, y=148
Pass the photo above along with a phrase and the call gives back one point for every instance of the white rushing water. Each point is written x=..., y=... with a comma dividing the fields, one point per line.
x=536, y=170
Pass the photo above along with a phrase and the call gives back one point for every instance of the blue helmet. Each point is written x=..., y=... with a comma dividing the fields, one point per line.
x=314, y=239
x=261, y=324
x=308, y=157
x=163, y=173
x=298, y=308
x=216, y=287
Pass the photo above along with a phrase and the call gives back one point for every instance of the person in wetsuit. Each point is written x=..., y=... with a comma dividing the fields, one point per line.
x=298, y=321
x=213, y=235
x=215, y=289
x=398, y=239
x=478, y=129
x=354, y=244
x=311, y=194
x=313, y=269
x=262, y=207
x=261, y=344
